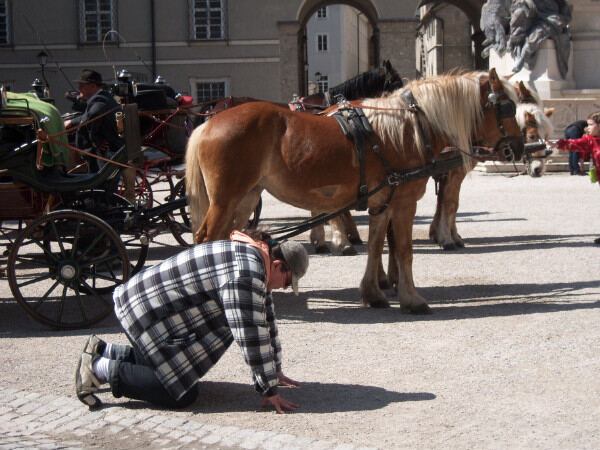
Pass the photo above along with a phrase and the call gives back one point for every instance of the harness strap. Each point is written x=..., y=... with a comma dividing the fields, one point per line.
x=453, y=161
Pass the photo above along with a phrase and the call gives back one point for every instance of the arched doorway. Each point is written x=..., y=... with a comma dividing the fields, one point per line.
x=309, y=7
x=293, y=43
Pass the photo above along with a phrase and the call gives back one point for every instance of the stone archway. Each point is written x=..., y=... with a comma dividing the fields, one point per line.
x=292, y=42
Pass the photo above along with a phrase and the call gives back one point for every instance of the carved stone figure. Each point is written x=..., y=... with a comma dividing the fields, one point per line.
x=495, y=21
x=527, y=23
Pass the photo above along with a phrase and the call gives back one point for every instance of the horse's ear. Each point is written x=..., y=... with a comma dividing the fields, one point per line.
x=548, y=111
x=495, y=80
x=524, y=92
x=387, y=64
x=529, y=117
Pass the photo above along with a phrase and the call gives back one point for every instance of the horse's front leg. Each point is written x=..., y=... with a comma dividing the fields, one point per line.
x=402, y=227
x=370, y=293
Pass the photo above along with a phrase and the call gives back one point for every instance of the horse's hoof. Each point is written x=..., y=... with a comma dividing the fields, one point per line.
x=451, y=246
x=355, y=240
x=460, y=244
x=378, y=304
x=349, y=251
x=420, y=309
x=321, y=249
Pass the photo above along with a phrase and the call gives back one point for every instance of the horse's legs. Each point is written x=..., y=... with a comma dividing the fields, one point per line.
x=217, y=223
x=402, y=227
x=392, y=274
x=339, y=238
x=317, y=237
x=245, y=208
x=351, y=230
x=370, y=293
x=443, y=228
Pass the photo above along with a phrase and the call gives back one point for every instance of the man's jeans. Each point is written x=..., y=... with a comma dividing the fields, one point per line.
x=130, y=376
x=574, y=162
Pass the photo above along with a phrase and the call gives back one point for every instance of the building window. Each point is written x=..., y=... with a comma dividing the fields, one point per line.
x=321, y=42
x=323, y=83
x=322, y=13
x=3, y=22
x=98, y=17
x=209, y=90
x=208, y=19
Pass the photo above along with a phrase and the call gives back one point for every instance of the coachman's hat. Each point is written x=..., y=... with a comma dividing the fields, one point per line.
x=90, y=76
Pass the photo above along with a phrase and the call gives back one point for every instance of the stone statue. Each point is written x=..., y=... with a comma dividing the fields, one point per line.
x=527, y=23
x=495, y=21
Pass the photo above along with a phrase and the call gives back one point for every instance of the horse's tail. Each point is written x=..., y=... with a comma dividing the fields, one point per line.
x=195, y=187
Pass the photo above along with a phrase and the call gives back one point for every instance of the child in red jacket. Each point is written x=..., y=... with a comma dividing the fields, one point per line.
x=588, y=143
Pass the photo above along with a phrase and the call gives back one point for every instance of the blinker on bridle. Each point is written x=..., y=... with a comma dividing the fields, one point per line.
x=503, y=106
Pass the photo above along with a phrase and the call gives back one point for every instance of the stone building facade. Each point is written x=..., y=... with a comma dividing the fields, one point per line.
x=250, y=48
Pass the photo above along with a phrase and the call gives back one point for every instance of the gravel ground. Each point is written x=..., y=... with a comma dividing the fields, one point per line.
x=509, y=359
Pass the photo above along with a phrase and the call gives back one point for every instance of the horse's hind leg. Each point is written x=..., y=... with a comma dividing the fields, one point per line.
x=339, y=238
x=317, y=237
x=245, y=208
x=217, y=223
x=370, y=293
x=351, y=229
x=443, y=228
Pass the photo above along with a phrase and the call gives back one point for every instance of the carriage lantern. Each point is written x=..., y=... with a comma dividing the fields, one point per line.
x=123, y=88
x=160, y=80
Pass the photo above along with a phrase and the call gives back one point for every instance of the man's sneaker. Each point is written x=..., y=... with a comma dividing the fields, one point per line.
x=86, y=382
x=94, y=345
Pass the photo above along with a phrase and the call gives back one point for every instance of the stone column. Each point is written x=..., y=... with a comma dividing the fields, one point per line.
x=290, y=72
x=397, y=43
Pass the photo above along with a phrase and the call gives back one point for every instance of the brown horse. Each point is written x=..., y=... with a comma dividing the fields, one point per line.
x=306, y=161
x=535, y=125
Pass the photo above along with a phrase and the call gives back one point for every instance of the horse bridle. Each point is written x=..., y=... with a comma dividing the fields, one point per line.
x=504, y=108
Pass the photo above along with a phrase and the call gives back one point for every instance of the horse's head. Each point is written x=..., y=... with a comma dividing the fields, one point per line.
x=532, y=118
x=392, y=79
x=499, y=125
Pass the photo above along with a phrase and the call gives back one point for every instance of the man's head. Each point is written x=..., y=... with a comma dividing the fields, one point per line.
x=90, y=82
x=288, y=265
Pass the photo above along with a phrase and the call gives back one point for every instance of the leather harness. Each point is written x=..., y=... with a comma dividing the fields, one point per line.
x=355, y=126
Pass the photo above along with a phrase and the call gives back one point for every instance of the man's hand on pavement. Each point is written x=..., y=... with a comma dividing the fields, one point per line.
x=280, y=404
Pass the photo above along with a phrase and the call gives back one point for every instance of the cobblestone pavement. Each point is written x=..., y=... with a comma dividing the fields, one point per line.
x=35, y=421
x=508, y=359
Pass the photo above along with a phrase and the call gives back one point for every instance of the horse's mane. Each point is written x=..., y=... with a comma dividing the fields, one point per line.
x=450, y=105
x=366, y=84
x=544, y=124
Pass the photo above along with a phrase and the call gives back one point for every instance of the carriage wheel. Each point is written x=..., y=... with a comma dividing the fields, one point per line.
x=179, y=220
x=113, y=208
x=63, y=267
x=142, y=190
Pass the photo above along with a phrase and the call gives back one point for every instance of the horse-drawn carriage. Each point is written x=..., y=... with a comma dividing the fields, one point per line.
x=70, y=238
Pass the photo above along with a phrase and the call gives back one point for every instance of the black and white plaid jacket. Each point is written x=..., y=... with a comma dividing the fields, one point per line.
x=184, y=313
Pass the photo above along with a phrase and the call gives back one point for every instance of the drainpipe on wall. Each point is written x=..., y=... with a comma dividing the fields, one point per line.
x=153, y=38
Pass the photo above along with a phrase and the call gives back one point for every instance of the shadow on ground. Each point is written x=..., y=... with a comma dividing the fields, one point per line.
x=313, y=398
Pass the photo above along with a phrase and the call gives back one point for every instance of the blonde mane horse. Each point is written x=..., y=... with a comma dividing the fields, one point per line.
x=534, y=123
x=307, y=161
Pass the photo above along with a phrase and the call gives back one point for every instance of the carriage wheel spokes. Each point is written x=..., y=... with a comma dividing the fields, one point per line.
x=143, y=194
x=179, y=221
x=64, y=266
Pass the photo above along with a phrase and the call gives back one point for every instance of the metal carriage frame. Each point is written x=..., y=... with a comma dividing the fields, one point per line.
x=71, y=239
